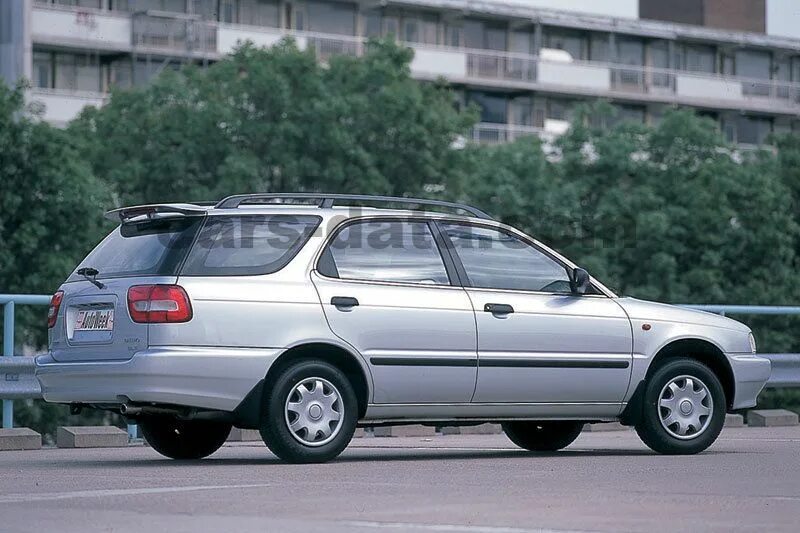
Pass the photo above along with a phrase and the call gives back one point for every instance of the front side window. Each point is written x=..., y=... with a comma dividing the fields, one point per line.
x=396, y=251
x=248, y=244
x=495, y=259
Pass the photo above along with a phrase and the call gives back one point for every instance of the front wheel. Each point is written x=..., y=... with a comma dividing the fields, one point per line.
x=684, y=408
x=184, y=439
x=543, y=436
x=310, y=413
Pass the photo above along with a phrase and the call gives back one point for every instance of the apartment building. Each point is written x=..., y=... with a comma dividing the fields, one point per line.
x=525, y=63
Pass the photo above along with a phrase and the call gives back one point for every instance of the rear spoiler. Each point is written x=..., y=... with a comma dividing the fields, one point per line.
x=156, y=211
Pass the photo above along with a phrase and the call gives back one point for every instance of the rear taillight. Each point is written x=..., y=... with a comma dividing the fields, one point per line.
x=52, y=311
x=156, y=304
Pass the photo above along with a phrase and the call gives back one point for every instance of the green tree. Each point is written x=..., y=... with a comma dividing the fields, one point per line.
x=51, y=208
x=276, y=119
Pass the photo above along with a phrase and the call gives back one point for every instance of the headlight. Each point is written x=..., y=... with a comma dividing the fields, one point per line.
x=752, y=343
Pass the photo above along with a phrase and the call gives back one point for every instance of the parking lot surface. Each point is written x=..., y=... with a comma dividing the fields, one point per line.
x=606, y=481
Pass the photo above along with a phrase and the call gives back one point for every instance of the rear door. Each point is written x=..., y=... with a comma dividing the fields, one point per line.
x=93, y=322
x=386, y=290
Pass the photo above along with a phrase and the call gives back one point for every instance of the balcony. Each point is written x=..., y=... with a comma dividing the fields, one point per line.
x=84, y=28
x=489, y=133
x=173, y=33
x=61, y=106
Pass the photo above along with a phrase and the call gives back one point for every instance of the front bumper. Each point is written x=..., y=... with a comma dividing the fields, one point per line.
x=750, y=374
x=203, y=377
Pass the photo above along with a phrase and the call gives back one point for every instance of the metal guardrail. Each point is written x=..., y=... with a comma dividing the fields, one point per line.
x=17, y=380
x=8, y=301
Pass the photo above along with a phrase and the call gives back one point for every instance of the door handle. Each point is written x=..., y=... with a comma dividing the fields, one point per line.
x=498, y=309
x=341, y=302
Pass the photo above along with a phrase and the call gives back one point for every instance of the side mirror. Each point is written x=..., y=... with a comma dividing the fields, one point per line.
x=579, y=281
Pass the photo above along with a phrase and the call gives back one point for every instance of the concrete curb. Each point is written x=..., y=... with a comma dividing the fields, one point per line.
x=91, y=437
x=19, y=439
x=605, y=426
x=244, y=435
x=771, y=418
x=411, y=430
x=734, y=421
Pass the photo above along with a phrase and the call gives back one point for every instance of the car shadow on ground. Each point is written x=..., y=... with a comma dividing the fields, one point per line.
x=357, y=455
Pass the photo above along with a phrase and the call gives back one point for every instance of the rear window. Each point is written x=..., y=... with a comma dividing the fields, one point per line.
x=248, y=244
x=151, y=248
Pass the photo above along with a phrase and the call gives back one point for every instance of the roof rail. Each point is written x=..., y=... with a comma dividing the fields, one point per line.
x=325, y=200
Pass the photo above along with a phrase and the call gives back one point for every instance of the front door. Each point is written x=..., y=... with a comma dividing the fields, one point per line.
x=386, y=290
x=537, y=342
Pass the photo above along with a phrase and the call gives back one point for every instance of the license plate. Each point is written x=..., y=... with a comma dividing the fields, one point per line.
x=100, y=320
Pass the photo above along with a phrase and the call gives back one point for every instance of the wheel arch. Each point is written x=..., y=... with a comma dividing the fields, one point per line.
x=248, y=413
x=700, y=350
x=703, y=351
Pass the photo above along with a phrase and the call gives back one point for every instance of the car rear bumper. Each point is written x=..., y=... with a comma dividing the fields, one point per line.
x=204, y=377
x=750, y=374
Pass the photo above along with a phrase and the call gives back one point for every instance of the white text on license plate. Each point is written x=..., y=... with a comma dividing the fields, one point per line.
x=100, y=320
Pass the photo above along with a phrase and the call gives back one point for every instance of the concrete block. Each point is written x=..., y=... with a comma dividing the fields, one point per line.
x=91, y=437
x=244, y=435
x=771, y=418
x=411, y=430
x=450, y=430
x=605, y=426
x=734, y=420
x=482, y=429
x=359, y=433
x=19, y=439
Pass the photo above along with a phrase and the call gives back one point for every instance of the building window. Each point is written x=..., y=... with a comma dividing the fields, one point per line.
x=559, y=109
x=484, y=35
x=251, y=12
x=521, y=111
x=753, y=64
x=599, y=49
x=571, y=41
x=493, y=106
x=43, y=70
x=696, y=58
x=172, y=6
x=522, y=42
x=411, y=27
x=95, y=4
x=329, y=17
x=77, y=72
x=752, y=130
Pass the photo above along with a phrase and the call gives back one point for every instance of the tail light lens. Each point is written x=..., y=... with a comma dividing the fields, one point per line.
x=158, y=304
x=52, y=311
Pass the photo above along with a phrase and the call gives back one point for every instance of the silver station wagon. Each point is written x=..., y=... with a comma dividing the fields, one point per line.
x=307, y=315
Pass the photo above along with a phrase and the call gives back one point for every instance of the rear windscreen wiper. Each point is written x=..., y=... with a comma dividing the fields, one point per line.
x=91, y=275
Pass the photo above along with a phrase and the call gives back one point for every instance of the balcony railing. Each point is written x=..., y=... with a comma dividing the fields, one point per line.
x=489, y=133
x=175, y=33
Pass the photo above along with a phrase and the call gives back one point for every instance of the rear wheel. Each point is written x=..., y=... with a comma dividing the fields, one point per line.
x=684, y=408
x=310, y=413
x=543, y=436
x=184, y=439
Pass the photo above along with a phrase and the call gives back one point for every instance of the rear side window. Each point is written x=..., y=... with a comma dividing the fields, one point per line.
x=248, y=244
x=397, y=251
x=151, y=248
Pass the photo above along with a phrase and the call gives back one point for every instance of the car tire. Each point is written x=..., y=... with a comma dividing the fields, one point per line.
x=546, y=436
x=683, y=408
x=184, y=439
x=309, y=412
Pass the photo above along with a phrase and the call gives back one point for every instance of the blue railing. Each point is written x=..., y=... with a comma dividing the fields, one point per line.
x=9, y=301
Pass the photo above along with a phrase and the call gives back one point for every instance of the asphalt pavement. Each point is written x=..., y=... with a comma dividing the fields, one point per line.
x=748, y=481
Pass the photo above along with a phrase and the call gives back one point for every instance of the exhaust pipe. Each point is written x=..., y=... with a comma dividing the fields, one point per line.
x=129, y=410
